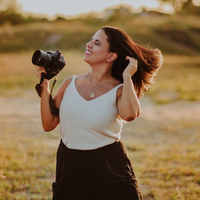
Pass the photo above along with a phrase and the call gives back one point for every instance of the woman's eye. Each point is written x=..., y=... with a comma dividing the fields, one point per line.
x=95, y=41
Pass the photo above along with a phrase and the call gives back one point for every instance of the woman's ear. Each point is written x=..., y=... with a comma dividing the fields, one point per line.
x=112, y=57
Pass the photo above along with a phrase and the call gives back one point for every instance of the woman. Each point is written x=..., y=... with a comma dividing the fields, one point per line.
x=91, y=160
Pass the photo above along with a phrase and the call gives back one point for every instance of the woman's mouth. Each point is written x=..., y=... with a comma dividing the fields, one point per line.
x=88, y=52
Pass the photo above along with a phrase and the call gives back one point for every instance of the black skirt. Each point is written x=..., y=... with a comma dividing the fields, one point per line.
x=101, y=174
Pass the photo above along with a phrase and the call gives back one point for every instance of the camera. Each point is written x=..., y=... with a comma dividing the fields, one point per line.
x=53, y=62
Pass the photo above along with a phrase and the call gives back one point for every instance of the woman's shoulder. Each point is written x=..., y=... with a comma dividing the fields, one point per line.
x=117, y=84
x=82, y=78
x=59, y=95
x=67, y=81
x=63, y=86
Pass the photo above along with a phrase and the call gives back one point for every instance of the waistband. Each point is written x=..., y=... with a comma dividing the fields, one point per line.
x=116, y=144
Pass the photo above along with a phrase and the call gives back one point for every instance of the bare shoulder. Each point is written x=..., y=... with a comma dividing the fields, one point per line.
x=59, y=95
x=65, y=84
x=119, y=91
x=67, y=81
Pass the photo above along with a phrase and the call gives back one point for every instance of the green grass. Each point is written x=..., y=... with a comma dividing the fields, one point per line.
x=165, y=153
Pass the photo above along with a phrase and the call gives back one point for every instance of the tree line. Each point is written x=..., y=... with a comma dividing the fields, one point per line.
x=11, y=11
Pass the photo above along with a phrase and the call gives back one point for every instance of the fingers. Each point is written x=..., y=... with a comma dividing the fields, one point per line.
x=132, y=61
x=38, y=71
x=132, y=67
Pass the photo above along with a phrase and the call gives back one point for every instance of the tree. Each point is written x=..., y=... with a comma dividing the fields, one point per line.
x=10, y=12
x=190, y=8
x=11, y=5
x=178, y=4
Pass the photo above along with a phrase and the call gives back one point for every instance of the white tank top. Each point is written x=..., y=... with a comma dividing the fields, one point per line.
x=89, y=124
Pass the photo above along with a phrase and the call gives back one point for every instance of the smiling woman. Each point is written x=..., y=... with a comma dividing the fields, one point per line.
x=92, y=162
x=97, y=49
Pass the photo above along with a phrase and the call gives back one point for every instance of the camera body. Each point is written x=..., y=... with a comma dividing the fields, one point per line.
x=53, y=62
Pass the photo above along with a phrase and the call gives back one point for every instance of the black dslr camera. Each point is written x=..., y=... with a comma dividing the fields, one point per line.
x=53, y=62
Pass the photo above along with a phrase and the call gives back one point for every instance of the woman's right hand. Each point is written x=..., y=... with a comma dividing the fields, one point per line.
x=38, y=71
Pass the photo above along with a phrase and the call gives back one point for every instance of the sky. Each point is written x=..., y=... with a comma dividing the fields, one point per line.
x=75, y=7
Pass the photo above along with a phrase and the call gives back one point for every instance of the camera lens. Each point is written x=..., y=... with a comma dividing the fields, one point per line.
x=41, y=58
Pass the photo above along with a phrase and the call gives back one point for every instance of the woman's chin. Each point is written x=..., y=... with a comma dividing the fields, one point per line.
x=86, y=59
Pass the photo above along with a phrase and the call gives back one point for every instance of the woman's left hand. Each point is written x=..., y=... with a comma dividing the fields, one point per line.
x=132, y=67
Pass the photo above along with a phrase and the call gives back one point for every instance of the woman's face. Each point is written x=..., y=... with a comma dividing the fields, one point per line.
x=97, y=50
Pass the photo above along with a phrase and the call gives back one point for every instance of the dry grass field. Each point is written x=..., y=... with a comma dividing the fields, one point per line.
x=163, y=143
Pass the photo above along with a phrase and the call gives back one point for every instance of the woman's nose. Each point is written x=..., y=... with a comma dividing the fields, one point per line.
x=89, y=44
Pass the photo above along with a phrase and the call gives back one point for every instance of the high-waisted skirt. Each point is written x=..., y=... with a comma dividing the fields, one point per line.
x=101, y=174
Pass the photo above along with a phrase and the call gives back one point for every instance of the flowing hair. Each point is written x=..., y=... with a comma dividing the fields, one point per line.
x=149, y=59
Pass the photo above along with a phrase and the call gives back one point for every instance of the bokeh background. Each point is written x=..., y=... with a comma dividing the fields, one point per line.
x=163, y=143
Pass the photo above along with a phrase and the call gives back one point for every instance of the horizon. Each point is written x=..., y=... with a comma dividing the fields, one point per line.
x=51, y=9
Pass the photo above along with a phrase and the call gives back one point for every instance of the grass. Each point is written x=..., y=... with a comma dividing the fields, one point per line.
x=27, y=165
x=177, y=80
x=172, y=34
x=165, y=159
x=17, y=70
x=165, y=153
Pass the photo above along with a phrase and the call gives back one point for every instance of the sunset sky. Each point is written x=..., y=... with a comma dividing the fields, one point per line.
x=74, y=7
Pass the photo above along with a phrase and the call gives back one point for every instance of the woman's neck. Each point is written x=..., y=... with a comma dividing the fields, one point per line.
x=99, y=73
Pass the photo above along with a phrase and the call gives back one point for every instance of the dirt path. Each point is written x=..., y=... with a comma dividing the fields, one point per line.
x=150, y=110
x=175, y=122
x=26, y=109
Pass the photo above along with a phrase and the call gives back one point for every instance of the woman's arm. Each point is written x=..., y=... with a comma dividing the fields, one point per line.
x=49, y=121
x=128, y=103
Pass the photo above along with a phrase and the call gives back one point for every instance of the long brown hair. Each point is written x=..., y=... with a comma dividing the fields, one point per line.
x=149, y=59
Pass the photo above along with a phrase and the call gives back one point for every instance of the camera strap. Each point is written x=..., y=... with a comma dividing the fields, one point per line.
x=54, y=109
x=38, y=87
